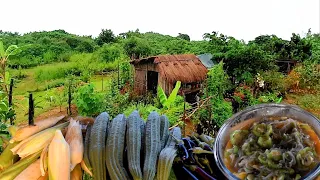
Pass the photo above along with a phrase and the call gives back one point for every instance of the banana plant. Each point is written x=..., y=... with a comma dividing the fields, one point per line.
x=165, y=101
x=4, y=56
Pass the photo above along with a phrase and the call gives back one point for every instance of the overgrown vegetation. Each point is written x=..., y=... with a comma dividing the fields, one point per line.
x=247, y=73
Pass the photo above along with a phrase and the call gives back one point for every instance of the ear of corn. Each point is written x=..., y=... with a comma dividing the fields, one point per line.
x=75, y=141
x=59, y=158
x=14, y=170
x=27, y=131
x=45, y=177
x=7, y=157
x=31, y=172
x=44, y=160
x=76, y=173
x=36, y=142
x=85, y=168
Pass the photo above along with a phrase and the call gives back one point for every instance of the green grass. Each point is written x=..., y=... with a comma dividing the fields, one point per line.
x=43, y=90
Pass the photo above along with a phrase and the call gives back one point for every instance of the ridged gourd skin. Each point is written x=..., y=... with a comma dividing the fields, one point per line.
x=165, y=161
x=142, y=152
x=115, y=148
x=133, y=138
x=164, y=130
x=152, y=146
x=97, y=154
x=86, y=147
x=174, y=135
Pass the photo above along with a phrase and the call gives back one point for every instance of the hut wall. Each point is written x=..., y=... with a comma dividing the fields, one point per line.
x=140, y=79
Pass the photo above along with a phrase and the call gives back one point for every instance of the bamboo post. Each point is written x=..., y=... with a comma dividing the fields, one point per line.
x=31, y=110
x=184, y=114
x=102, y=80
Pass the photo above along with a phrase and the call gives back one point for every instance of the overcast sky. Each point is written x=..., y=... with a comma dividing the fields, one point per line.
x=242, y=19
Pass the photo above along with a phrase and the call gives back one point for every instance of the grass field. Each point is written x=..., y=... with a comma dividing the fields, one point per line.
x=46, y=94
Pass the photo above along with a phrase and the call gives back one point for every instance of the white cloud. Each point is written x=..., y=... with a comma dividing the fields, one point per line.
x=243, y=19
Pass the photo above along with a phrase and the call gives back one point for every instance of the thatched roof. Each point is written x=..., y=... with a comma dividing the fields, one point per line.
x=186, y=68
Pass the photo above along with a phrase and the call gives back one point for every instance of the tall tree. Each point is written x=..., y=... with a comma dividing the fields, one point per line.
x=106, y=36
x=184, y=36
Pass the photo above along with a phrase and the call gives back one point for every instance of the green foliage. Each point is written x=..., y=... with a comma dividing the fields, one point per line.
x=88, y=101
x=310, y=75
x=184, y=36
x=274, y=81
x=168, y=102
x=108, y=53
x=144, y=110
x=218, y=81
x=106, y=36
x=136, y=47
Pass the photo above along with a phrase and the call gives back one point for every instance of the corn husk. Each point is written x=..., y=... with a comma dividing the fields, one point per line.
x=75, y=141
x=31, y=172
x=27, y=131
x=59, y=158
x=36, y=142
x=7, y=158
x=76, y=173
x=44, y=161
x=85, y=168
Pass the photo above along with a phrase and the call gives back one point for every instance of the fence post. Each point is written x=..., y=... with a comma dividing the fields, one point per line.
x=69, y=97
x=184, y=114
x=31, y=110
x=10, y=99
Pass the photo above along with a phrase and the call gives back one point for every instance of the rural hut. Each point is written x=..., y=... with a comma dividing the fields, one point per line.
x=166, y=70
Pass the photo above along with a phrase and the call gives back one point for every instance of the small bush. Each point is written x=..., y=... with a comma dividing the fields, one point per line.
x=88, y=101
x=274, y=81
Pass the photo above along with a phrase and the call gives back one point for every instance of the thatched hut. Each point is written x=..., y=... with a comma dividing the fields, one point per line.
x=166, y=70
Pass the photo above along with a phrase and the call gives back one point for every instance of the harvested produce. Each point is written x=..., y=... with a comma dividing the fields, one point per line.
x=164, y=130
x=152, y=145
x=37, y=141
x=115, y=148
x=165, y=162
x=86, y=160
x=134, y=144
x=59, y=158
x=283, y=149
x=44, y=160
x=75, y=141
x=7, y=157
x=31, y=172
x=97, y=154
x=27, y=131
x=175, y=134
x=14, y=170
x=76, y=173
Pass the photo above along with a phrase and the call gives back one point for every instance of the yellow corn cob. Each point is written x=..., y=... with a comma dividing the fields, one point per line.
x=75, y=141
x=76, y=173
x=85, y=168
x=31, y=172
x=59, y=158
x=14, y=170
x=27, y=131
x=36, y=142
x=44, y=161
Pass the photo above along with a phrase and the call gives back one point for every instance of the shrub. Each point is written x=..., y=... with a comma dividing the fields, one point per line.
x=88, y=101
x=275, y=81
x=310, y=75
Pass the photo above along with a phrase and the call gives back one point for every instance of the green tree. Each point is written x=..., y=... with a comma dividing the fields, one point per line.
x=184, y=36
x=105, y=36
x=136, y=47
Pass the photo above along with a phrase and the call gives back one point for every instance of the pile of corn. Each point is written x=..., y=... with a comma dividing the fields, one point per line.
x=48, y=150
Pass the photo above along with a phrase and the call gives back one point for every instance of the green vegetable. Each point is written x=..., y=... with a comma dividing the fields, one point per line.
x=134, y=144
x=265, y=141
x=165, y=162
x=262, y=129
x=305, y=157
x=275, y=155
x=164, y=130
x=115, y=148
x=175, y=134
x=86, y=151
x=97, y=154
x=238, y=136
x=152, y=146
